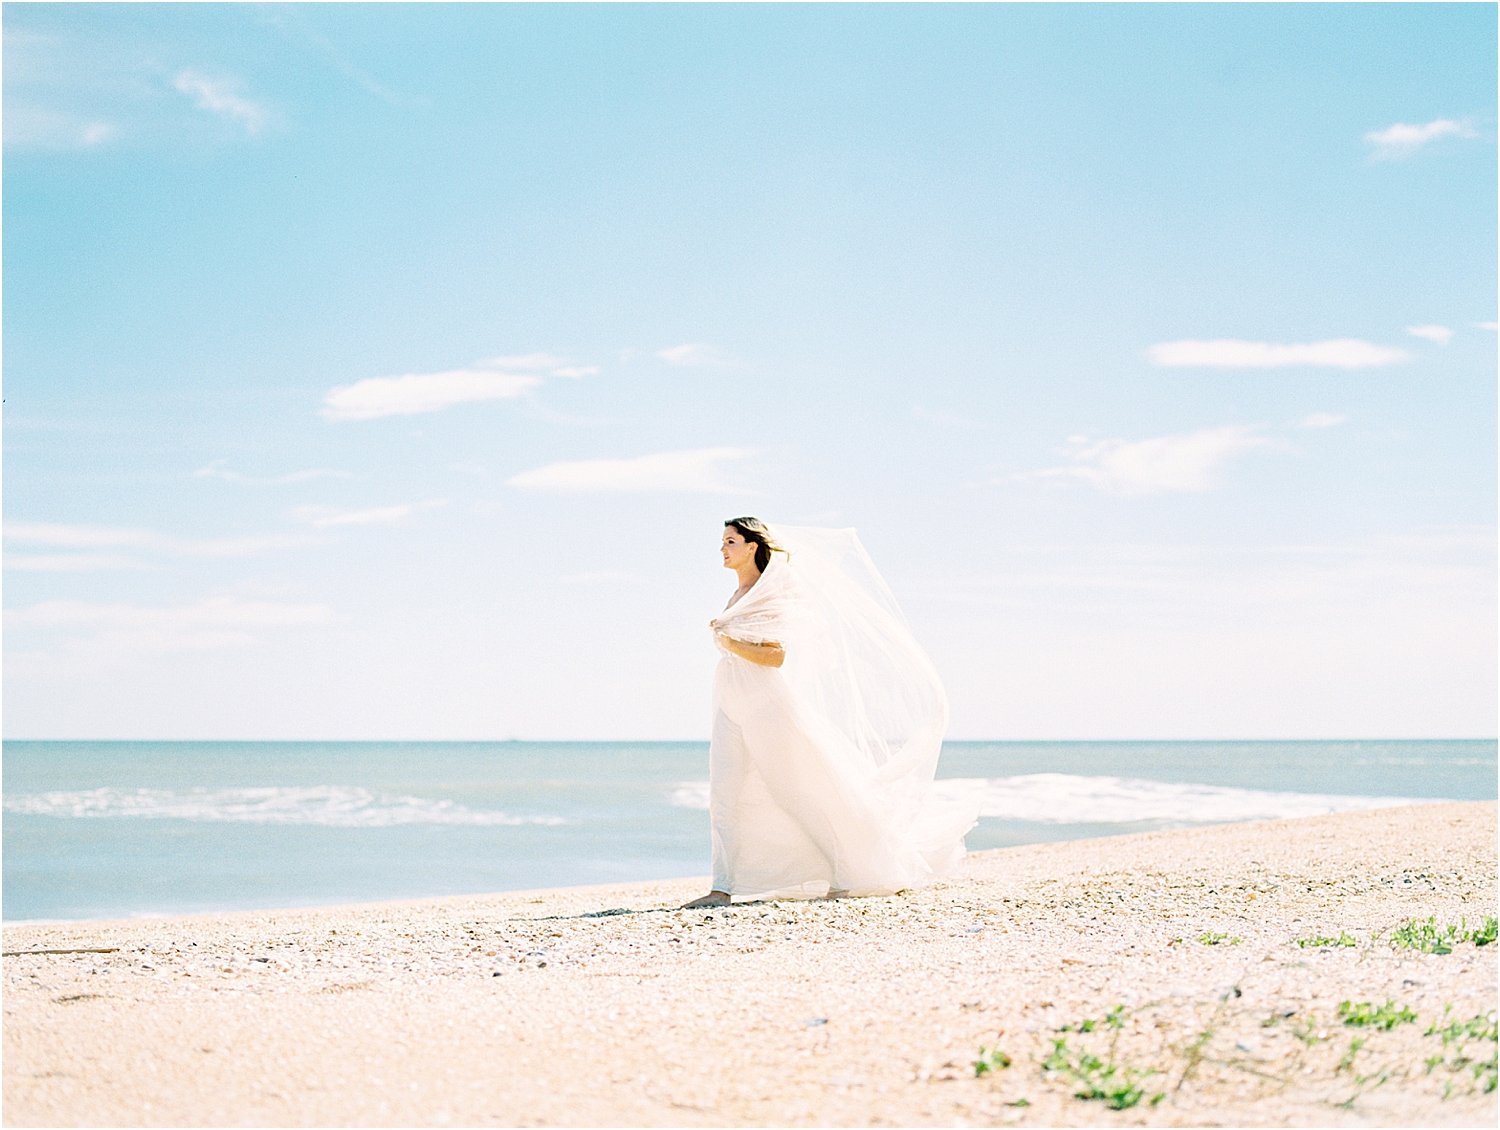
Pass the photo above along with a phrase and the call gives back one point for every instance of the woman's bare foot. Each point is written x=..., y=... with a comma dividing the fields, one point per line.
x=713, y=898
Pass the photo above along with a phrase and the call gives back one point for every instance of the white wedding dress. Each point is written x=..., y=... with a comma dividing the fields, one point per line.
x=820, y=771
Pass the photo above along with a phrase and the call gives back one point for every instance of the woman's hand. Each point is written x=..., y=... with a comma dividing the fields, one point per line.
x=769, y=654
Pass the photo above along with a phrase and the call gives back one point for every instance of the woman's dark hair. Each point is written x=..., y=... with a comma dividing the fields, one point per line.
x=754, y=530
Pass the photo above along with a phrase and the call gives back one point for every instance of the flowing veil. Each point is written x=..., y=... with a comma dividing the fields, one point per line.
x=854, y=663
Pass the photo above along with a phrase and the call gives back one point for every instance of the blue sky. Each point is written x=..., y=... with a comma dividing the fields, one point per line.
x=388, y=371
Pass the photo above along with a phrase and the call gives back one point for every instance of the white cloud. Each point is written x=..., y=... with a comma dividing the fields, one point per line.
x=416, y=393
x=121, y=632
x=83, y=537
x=1402, y=140
x=1487, y=326
x=217, y=470
x=228, y=547
x=216, y=612
x=70, y=562
x=526, y=361
x=599, y=577
x=220, y=97
x=692, y=353
x=698, y=470
x=33, y=127
x=1175, y=464
x=1230, y=353
x=1321, y=420
x=947, y=418
x=550, y=363
x=372, y=516
x=77, y=537
x=286, y=18
x=1440, y=334
x=1189, y=640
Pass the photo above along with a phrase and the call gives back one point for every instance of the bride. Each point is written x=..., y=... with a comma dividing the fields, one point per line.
x=828, y=721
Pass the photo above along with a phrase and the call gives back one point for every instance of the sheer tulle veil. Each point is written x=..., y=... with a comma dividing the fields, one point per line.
x=853, y=661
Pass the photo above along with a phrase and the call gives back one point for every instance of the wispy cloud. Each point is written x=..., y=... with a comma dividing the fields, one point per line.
x=371, y=516
x=1232, y=353
x=122, y=632
x=35, y=127
x=222, y=98
x=1283, y=580
x=1491, y=326
x=71, y=562
x=1175, y=464
x=1440, y=334
x=77, y=537
x=694, y=354
x=947, y=418
x=297, y=26
x=414, y=394
x=549, y=363
x=92, y=538
x=598, y=577
x=217, y=470
x=699, y=470
x=411, y=394
x=1402, y=140
x=62, y=93
x=1321, y=420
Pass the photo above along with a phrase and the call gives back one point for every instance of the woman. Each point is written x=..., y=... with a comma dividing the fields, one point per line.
x=828, y=721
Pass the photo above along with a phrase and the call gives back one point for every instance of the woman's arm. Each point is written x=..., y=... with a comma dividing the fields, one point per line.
x=769, y=654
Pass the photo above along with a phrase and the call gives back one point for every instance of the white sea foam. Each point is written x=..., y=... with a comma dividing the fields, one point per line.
x=336, y=806
x=690, y=794
x=1064, y=798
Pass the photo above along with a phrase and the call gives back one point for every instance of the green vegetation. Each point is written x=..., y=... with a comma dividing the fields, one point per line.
x=992, y=1059
x=1366, y=1014
x=1479, y=1028
x=1307, y=1032
x=1208, y=938
x=1192, y=1054
x=1113, y=1019
x=1355, y=1045
x=1093, y=1076
x=1428, y=937
x=1115, y=1085
x=1319, y=941
x=1087, y=1057
x=1456, y=1038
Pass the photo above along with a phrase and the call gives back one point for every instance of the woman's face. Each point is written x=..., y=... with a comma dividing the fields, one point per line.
x=737, y=551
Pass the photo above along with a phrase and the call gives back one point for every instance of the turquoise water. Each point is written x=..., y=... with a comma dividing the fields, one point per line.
x=114, y=829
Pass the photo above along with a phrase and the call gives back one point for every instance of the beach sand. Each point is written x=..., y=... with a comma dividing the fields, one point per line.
x=604, y=1006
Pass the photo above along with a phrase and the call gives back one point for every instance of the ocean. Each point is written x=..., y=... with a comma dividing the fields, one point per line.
x=123, y=829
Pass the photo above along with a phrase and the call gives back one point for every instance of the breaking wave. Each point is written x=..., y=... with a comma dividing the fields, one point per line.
x=335, y=806
x=1064, y=798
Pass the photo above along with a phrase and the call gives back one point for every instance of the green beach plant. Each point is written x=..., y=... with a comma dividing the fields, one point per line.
x=1209, y=938
x=1307, y=1031
x=1457, y=1037
x=1094, y=1079
x=991, y=1059
x=1347, y=1061
x=1367, y=1014
x=1320, y=941
x=1114, y=1020
x=1426, y=936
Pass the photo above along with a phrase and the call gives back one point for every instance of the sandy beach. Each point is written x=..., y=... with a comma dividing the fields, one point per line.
x=1160, y=964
